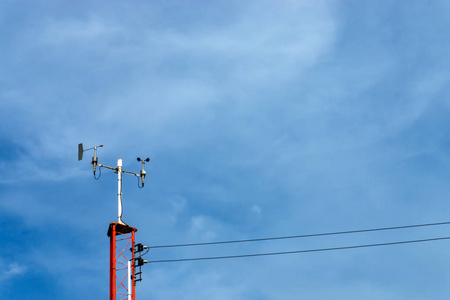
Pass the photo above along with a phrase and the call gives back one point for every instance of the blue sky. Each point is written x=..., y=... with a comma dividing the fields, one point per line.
x=260, y=118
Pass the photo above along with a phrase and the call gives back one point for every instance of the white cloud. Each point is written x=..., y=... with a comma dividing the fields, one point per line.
x=263, y=44
x=256, y=210
x=260, y=45
x=78, y=32
x=202, y=228
x=10, y=270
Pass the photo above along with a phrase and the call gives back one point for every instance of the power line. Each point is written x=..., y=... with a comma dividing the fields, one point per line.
x=300, y=236
x=300, y=251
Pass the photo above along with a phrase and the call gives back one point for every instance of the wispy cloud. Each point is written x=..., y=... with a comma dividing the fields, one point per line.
x=11, y=270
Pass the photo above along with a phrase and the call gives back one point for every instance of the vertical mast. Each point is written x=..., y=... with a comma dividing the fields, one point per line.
x=119, y=191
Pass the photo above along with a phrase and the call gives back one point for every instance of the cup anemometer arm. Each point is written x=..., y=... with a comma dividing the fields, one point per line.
x=143, y=173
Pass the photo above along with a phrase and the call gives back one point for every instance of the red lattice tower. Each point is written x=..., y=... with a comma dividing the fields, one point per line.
x=121, y=260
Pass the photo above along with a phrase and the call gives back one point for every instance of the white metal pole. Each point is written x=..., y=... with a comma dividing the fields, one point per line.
x=119, y=190
x=129, y=280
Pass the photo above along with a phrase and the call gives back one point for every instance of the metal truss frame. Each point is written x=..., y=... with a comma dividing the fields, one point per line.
x=121, y=261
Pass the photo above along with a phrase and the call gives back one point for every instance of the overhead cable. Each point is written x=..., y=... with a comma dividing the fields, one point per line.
x=300, y=236
x=300, y=251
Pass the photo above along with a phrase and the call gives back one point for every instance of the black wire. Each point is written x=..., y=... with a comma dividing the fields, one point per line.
x=139, y=186
x=300, y=236
x=99, y=173
x=299, y=251
x=148, y=249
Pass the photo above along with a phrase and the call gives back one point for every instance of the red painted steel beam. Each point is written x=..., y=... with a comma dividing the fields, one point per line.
x=112, y=263
x=133, y=283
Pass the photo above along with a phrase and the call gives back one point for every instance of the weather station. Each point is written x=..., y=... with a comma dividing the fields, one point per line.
x=125, y=258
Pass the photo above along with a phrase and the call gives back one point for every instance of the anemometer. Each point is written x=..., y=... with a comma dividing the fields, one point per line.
x=117, y=170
